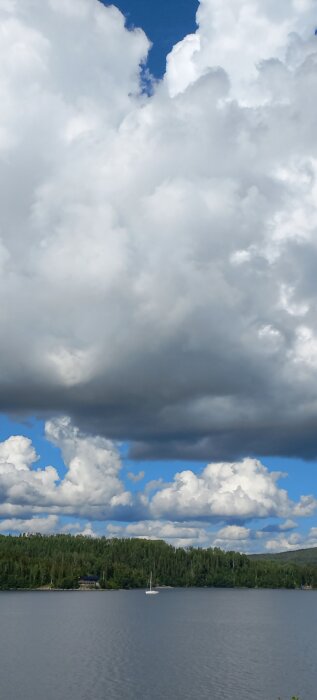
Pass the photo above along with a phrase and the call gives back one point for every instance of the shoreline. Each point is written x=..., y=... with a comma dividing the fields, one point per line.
x=158, y=588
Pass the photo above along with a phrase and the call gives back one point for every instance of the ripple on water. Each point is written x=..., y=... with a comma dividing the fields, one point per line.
x=181, y=645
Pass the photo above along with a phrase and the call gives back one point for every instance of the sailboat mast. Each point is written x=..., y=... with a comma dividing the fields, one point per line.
x=150, y=591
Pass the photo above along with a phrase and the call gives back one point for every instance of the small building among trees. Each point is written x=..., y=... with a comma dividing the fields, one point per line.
x=87, y=583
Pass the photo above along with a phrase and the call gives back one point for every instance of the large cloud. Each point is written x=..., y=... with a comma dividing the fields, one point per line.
x=239, y=491
x=158, y=254
x=91, y=486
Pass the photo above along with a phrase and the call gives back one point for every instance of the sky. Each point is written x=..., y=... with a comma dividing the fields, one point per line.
x=158, y=373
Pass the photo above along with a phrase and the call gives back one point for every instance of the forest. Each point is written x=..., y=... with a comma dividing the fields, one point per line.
x=59, y=561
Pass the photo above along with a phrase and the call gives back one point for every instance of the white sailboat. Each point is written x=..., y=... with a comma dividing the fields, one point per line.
x=150, y=591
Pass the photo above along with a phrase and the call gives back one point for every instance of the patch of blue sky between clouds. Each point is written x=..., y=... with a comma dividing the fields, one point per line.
x=165, y=23
x=34, y=429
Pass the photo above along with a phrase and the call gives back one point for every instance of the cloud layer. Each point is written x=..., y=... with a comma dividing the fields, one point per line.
x=158, y=254
x=235, y=505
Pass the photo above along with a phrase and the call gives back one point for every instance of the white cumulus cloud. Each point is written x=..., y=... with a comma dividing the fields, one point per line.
x=158, y=253
x=44, y=526
x=91, y=484
x=177, y=533
x=238, y=490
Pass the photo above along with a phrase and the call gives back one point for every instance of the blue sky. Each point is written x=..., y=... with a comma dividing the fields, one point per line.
x=165, y=24
x=158, y=268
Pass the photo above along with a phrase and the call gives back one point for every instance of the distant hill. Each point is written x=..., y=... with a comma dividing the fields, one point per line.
x=298, y=556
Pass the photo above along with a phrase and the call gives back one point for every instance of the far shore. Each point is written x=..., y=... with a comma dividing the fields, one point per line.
x=50, y=589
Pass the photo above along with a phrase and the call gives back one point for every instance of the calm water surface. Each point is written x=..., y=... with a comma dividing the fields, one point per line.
x=179, y=645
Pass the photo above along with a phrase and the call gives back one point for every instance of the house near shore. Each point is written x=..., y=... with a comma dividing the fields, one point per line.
x=87, y=583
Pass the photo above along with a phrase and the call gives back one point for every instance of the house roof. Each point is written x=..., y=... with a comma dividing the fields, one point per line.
x=89, y=579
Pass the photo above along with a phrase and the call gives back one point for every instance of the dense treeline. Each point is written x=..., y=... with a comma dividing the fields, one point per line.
x=60, y=560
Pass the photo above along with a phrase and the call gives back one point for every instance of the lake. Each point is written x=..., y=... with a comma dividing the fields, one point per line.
x=182, y=644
